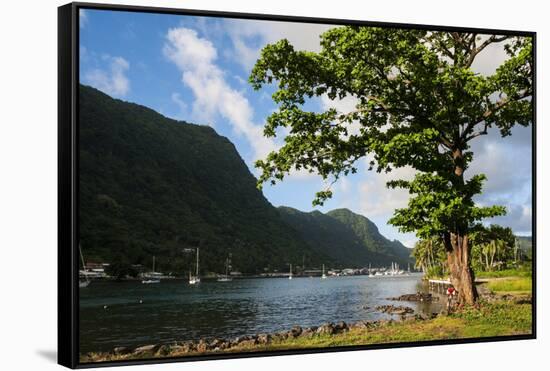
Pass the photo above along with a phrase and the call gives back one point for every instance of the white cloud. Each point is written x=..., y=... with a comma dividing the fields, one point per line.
x=83, y=17
x=375, y=199
x=113, y=79
x=250, y=36
x=345, y=105
x=240, y=80
x=507, y=164
x=518, y=217
x=410, y=242
x=195, y=57
x=490, y=58
x=182, y=106
x=344, y=185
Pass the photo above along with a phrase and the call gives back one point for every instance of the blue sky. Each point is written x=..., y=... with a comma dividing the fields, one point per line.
x=195, y=69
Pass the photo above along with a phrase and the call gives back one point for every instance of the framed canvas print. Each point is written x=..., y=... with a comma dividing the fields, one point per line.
x=236, y=185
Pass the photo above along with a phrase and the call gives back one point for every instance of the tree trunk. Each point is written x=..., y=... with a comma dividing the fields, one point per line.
x=456, y=245
x=458, y=260
x=494, y=253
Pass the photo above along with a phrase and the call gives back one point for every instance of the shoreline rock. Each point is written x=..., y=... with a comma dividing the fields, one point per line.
x=394, y=309
x=419, y=296
x=220, y=344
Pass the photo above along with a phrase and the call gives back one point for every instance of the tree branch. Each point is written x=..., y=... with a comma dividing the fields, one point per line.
x=477, y=134
x=491, y=112
x=475, y=51
x=344, y=116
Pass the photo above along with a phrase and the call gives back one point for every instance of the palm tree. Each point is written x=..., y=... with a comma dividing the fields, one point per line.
x=428, y=253
x=494, y=251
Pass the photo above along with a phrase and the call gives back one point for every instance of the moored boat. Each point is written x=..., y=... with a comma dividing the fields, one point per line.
x=193, y=280
x=226, y=277
x=86, y=282
x=151, y=277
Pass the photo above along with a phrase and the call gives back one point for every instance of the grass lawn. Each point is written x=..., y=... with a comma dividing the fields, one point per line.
x=511, y=285
x=497, y=319
x=522, y=272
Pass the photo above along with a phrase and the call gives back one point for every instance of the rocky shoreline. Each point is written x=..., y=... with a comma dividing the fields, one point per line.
x=246, y=342
x=262, y=341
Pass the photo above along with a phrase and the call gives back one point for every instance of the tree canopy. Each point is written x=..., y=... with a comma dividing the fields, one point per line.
x=419, y=103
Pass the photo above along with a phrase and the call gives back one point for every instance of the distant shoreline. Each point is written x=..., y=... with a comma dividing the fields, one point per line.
x=214, y=278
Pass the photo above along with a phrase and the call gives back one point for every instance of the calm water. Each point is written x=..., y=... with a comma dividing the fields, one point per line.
x=174, y=310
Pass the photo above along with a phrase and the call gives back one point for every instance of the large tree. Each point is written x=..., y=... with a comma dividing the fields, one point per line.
x=418, y=103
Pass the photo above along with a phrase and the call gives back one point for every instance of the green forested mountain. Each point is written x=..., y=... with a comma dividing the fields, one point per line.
x=346, y=237
x=152, y=186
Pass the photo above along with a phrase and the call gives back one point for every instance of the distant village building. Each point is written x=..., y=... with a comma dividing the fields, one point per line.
x=313, y=272
x=94, y=270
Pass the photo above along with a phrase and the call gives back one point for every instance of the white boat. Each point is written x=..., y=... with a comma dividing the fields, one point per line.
x=290, y=273
x=370, y=272
x=324, y=275
x=86, y=281
x=193, y=280
x=226, y=278
x=394, y=271
x=151, y=277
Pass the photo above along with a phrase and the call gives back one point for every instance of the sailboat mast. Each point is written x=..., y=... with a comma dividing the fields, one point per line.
x=81, y=257
x=153, y=264
x=83, y=265
x=197, y=267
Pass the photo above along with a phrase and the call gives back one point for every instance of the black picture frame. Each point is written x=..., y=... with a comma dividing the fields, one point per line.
x=68, y=175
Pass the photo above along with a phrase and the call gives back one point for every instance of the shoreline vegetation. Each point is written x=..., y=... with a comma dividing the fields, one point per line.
x=505, y=309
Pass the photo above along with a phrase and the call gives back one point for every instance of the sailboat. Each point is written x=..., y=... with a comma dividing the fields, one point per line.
x=195, y=279
x=370, y=272
x=290, y=274
x=398, y=270
x=85, y=283
x=324, y=275
x=151, y=277
x=226, y=278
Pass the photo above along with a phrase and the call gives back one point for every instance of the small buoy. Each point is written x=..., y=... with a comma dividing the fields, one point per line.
x=104, y=307
x=140, y=301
